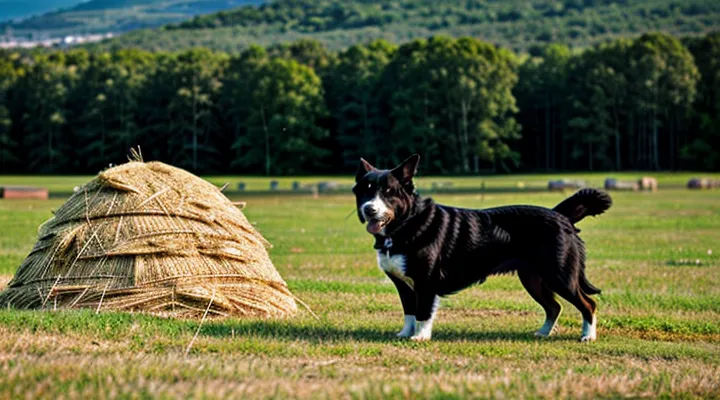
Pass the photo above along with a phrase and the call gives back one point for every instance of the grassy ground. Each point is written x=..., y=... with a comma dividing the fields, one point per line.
x=654, y=255
x=65, y=184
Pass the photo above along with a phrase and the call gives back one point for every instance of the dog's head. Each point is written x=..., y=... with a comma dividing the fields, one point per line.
x=384, y=196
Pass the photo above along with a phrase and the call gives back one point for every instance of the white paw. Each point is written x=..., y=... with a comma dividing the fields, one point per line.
x=547, y=329
x=587, y=339
x=409, y=327
x=589, y=331
x=404, y=333
x=423, y=331
x=420, y=338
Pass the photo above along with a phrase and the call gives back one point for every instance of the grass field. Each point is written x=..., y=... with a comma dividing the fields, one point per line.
x=65, y=184
x=654, y=255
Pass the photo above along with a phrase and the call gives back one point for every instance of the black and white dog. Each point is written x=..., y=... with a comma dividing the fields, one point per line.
x=430, y=250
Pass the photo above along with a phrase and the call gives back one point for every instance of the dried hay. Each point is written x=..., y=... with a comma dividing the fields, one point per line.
x=614, y=184
x=703, y=183
x=23, y=193
x=648, y=183
x=150, y=237
x=563, y=184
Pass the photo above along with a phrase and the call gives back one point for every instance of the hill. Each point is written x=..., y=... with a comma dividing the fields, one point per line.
x=18, y=9
x=101, y=16
x=516, y=24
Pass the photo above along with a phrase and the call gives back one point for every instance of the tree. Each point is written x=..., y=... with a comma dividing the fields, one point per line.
x=664, y=78
x=702, y=150
x=599, y=85
x=195, y=76
x=543, y=99
x=352, y=96
x=307, y=52
x=455, y=97
x=42, y=112
x=236, y=86
x=280, y=133
x=111, y=86
x=9, y=71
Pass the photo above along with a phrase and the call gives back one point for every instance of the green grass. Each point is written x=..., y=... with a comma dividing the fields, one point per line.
x=65, y=184
x=654, y=255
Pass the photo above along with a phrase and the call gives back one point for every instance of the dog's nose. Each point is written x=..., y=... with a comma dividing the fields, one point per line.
x=369, y=209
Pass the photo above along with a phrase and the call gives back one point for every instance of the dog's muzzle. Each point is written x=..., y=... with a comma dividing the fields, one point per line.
x=377, y=215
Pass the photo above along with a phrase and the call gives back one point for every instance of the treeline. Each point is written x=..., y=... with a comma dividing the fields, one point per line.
x=465, y=105
x=512, y=24
x=324, y=15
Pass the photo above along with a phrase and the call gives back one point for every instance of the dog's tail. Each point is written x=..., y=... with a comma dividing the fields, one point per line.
x=585, y=284
x=583, y=203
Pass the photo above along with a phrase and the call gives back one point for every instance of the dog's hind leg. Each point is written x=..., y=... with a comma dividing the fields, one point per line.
x=533, y=283
x=589, y=332
x=584, y=304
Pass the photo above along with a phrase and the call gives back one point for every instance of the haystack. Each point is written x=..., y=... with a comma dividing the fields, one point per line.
x=614, y=184
x=648, y=183
x=153, y=238
x=703, y=183
x=564, y=184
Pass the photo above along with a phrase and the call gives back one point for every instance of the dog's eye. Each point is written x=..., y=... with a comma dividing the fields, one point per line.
x=369, y=185
x=388, y=190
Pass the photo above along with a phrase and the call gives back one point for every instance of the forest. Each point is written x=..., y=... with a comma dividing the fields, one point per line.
x=517, y=25
x=468, y=106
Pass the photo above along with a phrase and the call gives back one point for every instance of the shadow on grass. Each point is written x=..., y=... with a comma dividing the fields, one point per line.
x=324, y=333
x=118, y=325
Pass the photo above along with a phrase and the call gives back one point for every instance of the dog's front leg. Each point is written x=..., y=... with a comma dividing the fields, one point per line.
x=427, y=303
x=407, y=298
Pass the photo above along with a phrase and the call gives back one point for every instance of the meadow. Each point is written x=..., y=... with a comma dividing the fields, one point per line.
x=64, y=185
x=655, y=255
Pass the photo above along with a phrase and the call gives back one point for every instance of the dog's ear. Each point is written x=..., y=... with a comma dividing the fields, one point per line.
x=363, y=169
x=406, y=171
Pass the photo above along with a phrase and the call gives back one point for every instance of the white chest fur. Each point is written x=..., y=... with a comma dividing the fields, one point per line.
x=394, y=265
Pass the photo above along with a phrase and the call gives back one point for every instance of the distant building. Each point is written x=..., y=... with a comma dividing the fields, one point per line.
x=9, y=42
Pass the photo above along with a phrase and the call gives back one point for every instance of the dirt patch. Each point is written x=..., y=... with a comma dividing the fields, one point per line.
x=4, y=279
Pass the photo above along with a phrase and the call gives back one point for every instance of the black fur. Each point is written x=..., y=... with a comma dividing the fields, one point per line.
x=448, y=249
x=586, y=202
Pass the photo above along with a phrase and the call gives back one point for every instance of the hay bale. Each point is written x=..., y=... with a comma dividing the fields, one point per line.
x=696, y=183
x=23, y=193
x=703, y=183
x=648, y=183
x=327, y=186
x=614, y=184
x=150, y=237
x=565, y=185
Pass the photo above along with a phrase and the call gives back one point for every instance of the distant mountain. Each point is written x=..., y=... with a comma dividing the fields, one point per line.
x=515, y=24
x=101, y=16
x=18, y=9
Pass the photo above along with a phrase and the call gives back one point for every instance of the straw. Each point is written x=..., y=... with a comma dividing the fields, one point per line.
x=154, y=238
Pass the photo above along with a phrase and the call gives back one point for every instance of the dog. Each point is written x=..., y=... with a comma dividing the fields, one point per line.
x=429, y=250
